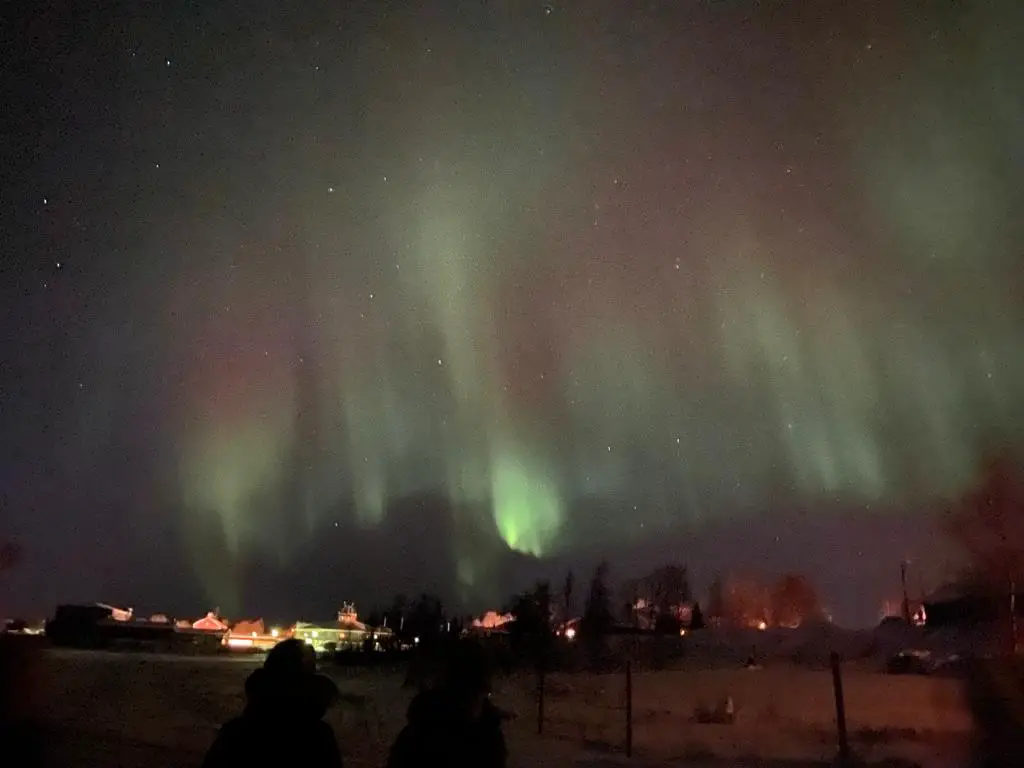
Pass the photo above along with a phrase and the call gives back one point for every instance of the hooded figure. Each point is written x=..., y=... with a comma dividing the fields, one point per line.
x=22, y=737
x=283, y=718
x=455, y=724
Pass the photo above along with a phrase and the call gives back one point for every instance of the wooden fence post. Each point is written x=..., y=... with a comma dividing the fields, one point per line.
x=540, y=700
x=837, y=688
x=629, y=709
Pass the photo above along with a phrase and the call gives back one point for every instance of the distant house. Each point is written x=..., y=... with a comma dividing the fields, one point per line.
x=117, y=614
x=159, y=618
x=253, y=628
x=210, y=623
x=893, y=609
x=99, y=625
x=251, y=635
x=492, y=621
x=344, y=634
x=644, y=614
x=349, y=619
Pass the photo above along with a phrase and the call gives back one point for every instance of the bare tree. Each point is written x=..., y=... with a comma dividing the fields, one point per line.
x=716, y=598
x=988, y=522
x=672, y=590
x=659, y=598
x=794, y=601
x=739, y=602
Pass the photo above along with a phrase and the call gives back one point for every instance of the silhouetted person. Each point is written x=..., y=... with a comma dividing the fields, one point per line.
x=995, y=694
x=454, y=724
x=283, y=718
x=21, y=682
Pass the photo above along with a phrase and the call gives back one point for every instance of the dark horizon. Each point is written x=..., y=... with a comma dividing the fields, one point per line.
x=690, y=282
x=852, y=584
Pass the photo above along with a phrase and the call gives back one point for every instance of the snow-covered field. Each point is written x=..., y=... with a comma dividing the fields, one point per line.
x=144, y=710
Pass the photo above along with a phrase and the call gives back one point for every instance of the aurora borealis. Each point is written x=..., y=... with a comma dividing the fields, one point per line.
x=593, y=273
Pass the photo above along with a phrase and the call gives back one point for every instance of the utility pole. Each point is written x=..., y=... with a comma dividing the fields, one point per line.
x=906, y=597
x=1013, y=614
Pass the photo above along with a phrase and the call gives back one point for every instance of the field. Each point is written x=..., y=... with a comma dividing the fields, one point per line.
x=140, y=710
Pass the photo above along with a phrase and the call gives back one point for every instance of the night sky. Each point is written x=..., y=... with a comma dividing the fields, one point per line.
x=306, y=301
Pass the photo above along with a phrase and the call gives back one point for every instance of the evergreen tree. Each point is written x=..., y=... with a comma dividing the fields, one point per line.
x=530, y=631
x=567, y=587
x=597, y=616
x=696, y=618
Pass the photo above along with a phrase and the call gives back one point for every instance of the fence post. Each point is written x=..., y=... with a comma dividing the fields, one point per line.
x=837, y=688
x=629, y=709
x=540, y=699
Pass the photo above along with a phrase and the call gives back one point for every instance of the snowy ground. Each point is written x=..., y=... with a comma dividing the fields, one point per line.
x=147, y=710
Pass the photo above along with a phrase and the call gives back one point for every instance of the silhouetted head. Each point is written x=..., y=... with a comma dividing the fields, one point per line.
x=288, y=681
x=469, y=672
x=291, y=657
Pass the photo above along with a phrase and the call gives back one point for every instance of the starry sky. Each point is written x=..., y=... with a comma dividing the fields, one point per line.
x=313, y=301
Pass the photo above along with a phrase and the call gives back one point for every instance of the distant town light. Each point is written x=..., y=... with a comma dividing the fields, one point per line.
x=275, y=632
x=570, y=633
x=762, y=625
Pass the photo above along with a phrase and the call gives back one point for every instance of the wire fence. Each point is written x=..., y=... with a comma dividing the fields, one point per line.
x=835, y=711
